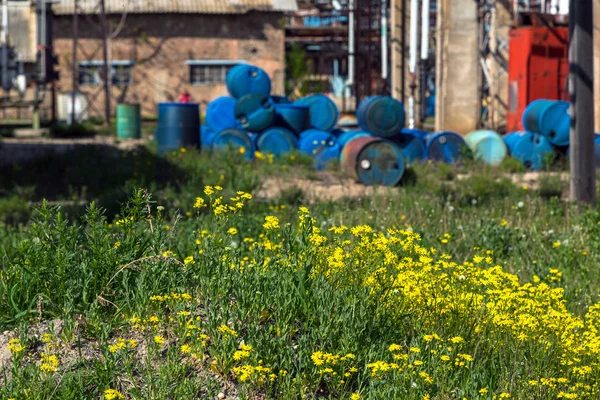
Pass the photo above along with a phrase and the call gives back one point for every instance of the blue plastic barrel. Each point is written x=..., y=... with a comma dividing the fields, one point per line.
x=550, y=118
x=529, y=148
x=430, y=106
x=445, y=146
x=220, y=113
x=415, y=132
x=206, y=136
x=487, y=146
x=276, y=141
x=314, y=141
x=381, y=115
x=244, y=79
x=323, y=112
x=178, y=126
x=373, y=161
x=254, y=112
x=280, y=100
x=327, y=154
x=337, y=132
x=294, y=117
x=233, y=139
x=349, y=135
x=413, y=147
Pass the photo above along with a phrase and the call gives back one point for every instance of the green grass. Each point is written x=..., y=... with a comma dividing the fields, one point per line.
x=314, y=300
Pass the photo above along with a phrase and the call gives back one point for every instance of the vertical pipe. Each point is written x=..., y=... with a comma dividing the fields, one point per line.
x=350, y=80
x=43, y=39
x=5, y=46
x=414, y=34
x=370, y=44
x=75, y=68
x=425, y=16
x=581, y=86
x=403, y=33
x=106, y=74
x=384, y=41
x=412, y=65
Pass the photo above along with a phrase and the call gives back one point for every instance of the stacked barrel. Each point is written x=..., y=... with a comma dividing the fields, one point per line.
x=547, y=131
x=251, y=119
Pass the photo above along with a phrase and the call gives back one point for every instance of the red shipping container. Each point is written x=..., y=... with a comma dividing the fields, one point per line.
x=538, y=68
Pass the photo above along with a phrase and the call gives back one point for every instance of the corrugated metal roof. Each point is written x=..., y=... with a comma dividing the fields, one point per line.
x=65, y=7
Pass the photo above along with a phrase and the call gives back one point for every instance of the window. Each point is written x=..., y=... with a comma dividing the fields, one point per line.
x=90, y=73
x=210, y=72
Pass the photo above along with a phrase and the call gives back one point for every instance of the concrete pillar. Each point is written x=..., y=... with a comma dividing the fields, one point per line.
x=499, y=35
x=597, y=65
x=457, y=72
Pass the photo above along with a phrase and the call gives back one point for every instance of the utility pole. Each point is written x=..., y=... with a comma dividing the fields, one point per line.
x=581, y=91
x=105, y=73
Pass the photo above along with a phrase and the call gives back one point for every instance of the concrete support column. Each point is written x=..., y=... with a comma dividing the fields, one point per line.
x=457, y=72
x=499, y=35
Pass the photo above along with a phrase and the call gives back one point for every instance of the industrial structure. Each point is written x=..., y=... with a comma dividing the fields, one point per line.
x=157, y=49
x=456, y=65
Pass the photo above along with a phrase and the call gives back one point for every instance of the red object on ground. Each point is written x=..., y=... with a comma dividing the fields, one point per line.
x=538, y=68
x=185, y=97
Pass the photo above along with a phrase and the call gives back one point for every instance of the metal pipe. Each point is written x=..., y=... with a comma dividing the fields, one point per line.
x=412, y=65
x=106, y=72
x=414, y=34
x=384, y=41
x=425, y=16
x=44, y=40
x=350, y=80
x=403, y=74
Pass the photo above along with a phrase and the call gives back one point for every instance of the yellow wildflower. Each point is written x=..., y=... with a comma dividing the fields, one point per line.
x=112, y=394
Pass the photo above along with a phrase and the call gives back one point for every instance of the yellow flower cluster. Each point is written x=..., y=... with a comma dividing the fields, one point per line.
x=271, y=223
x=243, y=352
x=15, y=346
x=254, y=373
x=49, y=363
x=172, y=296
x=227, y=331
x=122, y=344
x=112, y=394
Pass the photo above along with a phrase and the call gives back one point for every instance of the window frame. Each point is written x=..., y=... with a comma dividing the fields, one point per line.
x=97, y=74
x=207, y=75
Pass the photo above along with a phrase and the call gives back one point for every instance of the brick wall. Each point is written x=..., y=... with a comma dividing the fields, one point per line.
x=160, y=46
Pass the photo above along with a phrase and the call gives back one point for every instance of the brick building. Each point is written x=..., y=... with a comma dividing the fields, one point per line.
x=161, y=47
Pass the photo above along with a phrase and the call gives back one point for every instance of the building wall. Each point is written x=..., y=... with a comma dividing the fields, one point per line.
x=160, y=45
